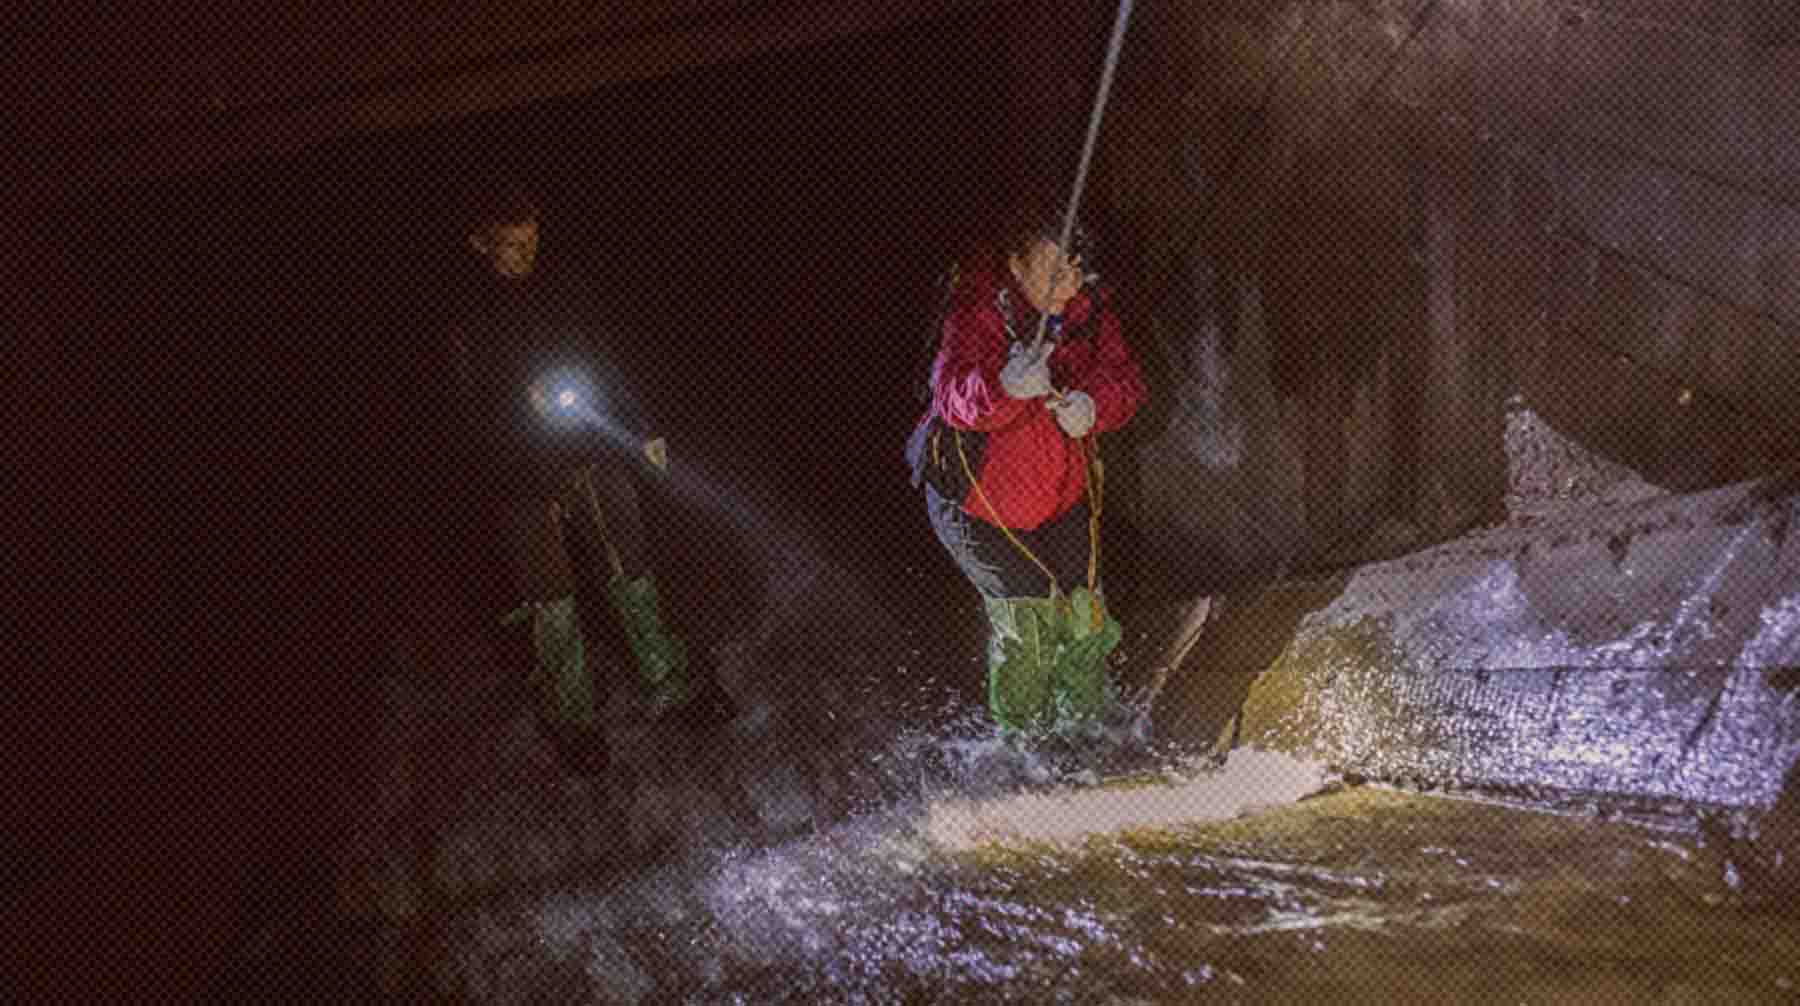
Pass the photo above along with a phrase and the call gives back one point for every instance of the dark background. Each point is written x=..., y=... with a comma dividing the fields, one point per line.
x=227, y=397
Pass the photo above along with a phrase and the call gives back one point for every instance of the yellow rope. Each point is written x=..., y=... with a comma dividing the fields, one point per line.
x=1054, y=589
x=1096, y=498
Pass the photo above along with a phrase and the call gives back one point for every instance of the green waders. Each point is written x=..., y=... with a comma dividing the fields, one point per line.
x=661, y=656
x=1047, y=655
x=1047, y=663
x=565, y=689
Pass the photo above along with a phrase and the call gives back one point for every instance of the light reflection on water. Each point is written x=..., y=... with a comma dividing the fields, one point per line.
x=1363, y=894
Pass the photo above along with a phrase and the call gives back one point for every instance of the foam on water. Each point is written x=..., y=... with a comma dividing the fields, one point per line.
x=1250, y=780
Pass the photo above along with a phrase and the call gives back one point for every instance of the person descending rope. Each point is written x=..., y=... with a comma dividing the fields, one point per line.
x=1007, y=454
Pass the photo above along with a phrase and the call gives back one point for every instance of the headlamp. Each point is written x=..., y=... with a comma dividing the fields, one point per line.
x=564, y=397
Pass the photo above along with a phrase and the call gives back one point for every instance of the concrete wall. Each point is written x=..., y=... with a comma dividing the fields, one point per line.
x=1351, y=232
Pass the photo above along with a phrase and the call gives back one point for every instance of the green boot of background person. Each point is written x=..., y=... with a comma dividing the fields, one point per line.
x=661, y=656
x=1047, y=664
x=559, y=674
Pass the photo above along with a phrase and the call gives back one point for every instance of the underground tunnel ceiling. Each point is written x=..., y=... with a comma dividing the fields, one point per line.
x=134, y=93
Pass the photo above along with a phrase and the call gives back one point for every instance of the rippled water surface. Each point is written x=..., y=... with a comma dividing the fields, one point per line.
x=1358, y=895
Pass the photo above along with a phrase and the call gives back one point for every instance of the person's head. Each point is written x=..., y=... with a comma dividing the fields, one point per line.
x=1048, y=276
x=503, y=230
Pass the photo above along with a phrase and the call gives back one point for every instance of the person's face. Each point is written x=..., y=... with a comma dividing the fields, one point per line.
x=1048, y=277
x=510, y=249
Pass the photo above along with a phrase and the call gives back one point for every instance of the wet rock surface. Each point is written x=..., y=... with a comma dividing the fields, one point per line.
x=1573, y=202
x=1548, y=474
x=1639, y=651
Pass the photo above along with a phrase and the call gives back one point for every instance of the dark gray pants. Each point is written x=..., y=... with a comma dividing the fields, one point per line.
x=544, y=556
x=996, y=566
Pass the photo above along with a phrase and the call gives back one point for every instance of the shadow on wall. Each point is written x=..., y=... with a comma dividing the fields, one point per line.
x=1673, y=435
x=1277, y=349
x=1247, y=632
x=1204, y=486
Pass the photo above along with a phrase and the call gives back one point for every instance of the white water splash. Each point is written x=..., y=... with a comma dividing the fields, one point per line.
x=1777, y=642
x=1251, y=780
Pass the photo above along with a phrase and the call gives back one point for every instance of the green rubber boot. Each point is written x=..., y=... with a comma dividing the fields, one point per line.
x=1047, y=664
x=1083, y=690
x=565, y=689
x=1021, y=649
x=661, y=656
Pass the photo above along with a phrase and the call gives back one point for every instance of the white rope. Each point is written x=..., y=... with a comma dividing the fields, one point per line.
x=1087, y=148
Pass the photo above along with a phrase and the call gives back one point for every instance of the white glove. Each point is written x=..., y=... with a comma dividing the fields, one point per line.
x=1027, y=374
x=1074, y=413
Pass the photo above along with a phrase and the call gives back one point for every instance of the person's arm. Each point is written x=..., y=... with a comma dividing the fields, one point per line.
x=629, y=427
x=493, y=434
x=627, y=410
x=965, y=377
x=634, y=431
x=1114, y=380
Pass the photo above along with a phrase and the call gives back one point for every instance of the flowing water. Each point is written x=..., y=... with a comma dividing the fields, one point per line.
x=1263, y=880
x=979, y=873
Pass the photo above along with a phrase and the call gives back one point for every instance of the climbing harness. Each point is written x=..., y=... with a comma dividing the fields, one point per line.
x=1090, y=448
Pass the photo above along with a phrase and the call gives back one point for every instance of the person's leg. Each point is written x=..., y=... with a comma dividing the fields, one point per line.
x=1063, y=544
x=614, y=541
x=544, y=583
x=1017, y=596
x=1046, y=654
x=623, y=516
x=536, y=559
x=986, y=556
x=1085, y=633
x=566, y=689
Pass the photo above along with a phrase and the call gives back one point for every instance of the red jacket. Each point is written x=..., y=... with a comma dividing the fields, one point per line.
x=1031, y=471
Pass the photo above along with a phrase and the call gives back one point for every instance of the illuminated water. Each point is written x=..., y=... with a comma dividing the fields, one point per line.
x=1360, y=894
x=974, y=875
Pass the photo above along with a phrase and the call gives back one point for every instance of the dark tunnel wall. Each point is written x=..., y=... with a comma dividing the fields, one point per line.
x=231, y=382
x=1365, y=231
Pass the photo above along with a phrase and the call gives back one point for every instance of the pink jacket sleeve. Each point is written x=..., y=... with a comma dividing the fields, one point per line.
x=965, y=377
